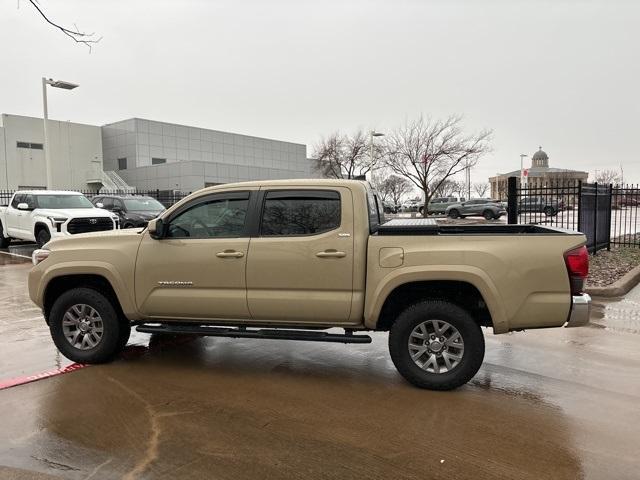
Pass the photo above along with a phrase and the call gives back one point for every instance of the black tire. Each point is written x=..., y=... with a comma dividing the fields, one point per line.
x=42, y=236
x=549, y=211
x=488, y=215
x=128, y=225
x=4, y=241
x=454, y=213
x=114, y=330
x=469, y=330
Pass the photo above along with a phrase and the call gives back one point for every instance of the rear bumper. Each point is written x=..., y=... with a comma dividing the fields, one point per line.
x=580, y=309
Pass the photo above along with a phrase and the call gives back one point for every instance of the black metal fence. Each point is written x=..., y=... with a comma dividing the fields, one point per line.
x=606, y=214
x=165, y=197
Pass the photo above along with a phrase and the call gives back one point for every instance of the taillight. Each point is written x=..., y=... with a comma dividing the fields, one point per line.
x=577, y=262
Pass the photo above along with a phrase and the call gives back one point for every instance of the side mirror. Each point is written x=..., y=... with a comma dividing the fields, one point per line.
x=156, y=228
x=23, y=206
x=100, y=205
x=116, y=209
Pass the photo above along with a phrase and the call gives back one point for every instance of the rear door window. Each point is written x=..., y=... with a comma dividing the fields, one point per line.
x=300, y=212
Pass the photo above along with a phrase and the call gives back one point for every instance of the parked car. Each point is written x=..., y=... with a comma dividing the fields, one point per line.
x=289, y=259
x=486, y=207
x=440, y=204
x=389, y=207
x=40, y=215
x=133, y=211
x=549, y=207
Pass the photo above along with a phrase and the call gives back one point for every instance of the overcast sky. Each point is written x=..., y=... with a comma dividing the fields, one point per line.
x=561, y=74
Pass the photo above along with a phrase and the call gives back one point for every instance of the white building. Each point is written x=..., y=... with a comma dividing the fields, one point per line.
x=166, y=156
x=144, y=154
x=76, y=153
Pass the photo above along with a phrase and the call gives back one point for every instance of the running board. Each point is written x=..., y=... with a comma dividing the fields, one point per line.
x=270, y=333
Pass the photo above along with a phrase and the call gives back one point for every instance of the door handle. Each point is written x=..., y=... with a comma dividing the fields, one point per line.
x=331, y=254
x=230, y=254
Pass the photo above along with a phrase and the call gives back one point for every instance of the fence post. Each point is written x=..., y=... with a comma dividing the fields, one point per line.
x=580, y=229
x=595, y=220
x=609, y=218
x=512, y=201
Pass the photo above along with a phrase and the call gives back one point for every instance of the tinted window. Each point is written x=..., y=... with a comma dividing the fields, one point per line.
x=107, y=203
x=16, y=200
x=223, y=217
x=437, y=200
x=287, y=213
x=29, y=200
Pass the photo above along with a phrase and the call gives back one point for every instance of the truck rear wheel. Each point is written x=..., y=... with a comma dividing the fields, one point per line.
x=436, y=345
x=85, y=326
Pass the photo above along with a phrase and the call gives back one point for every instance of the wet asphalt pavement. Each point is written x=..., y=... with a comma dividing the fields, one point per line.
x=556, y=404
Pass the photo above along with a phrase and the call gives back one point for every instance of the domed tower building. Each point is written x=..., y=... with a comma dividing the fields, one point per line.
x=537, y=176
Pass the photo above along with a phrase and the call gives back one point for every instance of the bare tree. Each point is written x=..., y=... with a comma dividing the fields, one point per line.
x=480, y=189
x=345, y=156
x=429, y=152
x=74, y=33
x=391, y=187
x=608, y=176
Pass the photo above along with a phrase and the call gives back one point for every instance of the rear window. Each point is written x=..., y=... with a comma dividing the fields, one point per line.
x=300, y=212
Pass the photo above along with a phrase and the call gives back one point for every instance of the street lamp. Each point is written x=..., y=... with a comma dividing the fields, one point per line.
x=522, y=155
x=56, y=84
x=372, y=134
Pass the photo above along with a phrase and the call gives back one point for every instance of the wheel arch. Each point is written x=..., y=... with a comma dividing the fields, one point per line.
x=468, y=288
x=45, y=283
x=40, y=225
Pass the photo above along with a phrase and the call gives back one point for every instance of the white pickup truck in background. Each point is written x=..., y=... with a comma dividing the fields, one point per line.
x=40, y=215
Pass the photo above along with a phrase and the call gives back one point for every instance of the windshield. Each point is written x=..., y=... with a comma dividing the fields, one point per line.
x=144, y=204
x=63, y=201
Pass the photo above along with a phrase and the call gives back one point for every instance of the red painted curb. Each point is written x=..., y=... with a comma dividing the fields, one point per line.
x=14, y=382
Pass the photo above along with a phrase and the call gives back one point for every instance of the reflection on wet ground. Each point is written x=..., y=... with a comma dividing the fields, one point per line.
x=557, y=404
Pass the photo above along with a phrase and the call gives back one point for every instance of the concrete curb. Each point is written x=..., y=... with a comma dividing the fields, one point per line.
x=619, y=287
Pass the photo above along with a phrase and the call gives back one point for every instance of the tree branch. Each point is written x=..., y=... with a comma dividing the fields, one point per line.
x=76, y=35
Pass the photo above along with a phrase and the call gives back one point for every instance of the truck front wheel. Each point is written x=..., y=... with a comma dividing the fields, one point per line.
x=85, y=326
x=42, y=236
x=436, y=345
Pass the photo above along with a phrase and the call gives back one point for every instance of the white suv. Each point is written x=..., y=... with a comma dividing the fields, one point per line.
x=40, y=215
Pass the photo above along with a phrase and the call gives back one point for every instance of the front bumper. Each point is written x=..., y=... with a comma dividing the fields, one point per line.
x=580, y=309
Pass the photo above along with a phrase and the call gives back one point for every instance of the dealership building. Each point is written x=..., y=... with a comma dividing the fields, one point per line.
x=139, y=154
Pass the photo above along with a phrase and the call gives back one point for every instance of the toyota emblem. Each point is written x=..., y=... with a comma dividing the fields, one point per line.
x=93, y=221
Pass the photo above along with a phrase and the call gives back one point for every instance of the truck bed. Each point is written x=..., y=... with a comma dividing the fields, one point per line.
x=428, y=226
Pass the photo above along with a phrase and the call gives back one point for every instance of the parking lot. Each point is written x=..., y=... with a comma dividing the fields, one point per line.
x=557, y=404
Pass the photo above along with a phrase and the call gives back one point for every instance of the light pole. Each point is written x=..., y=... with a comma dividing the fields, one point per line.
x=372, y=134
x=57, y=84
x=522, y=156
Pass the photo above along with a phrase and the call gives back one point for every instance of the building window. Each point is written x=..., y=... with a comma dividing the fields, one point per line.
x=122, y=163
x=33, y=146
x=158, y=161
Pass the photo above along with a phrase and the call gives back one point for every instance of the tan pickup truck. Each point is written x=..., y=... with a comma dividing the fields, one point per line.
x=292, y=259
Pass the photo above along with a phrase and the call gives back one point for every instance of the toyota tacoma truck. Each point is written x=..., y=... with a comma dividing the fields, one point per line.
x=295, y=259
x=40, y=215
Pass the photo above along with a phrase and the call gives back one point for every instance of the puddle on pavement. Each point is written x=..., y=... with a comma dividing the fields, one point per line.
x=621, y=314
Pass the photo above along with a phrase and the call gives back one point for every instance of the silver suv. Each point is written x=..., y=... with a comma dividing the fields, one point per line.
x=440, y=204
x=486, y=207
